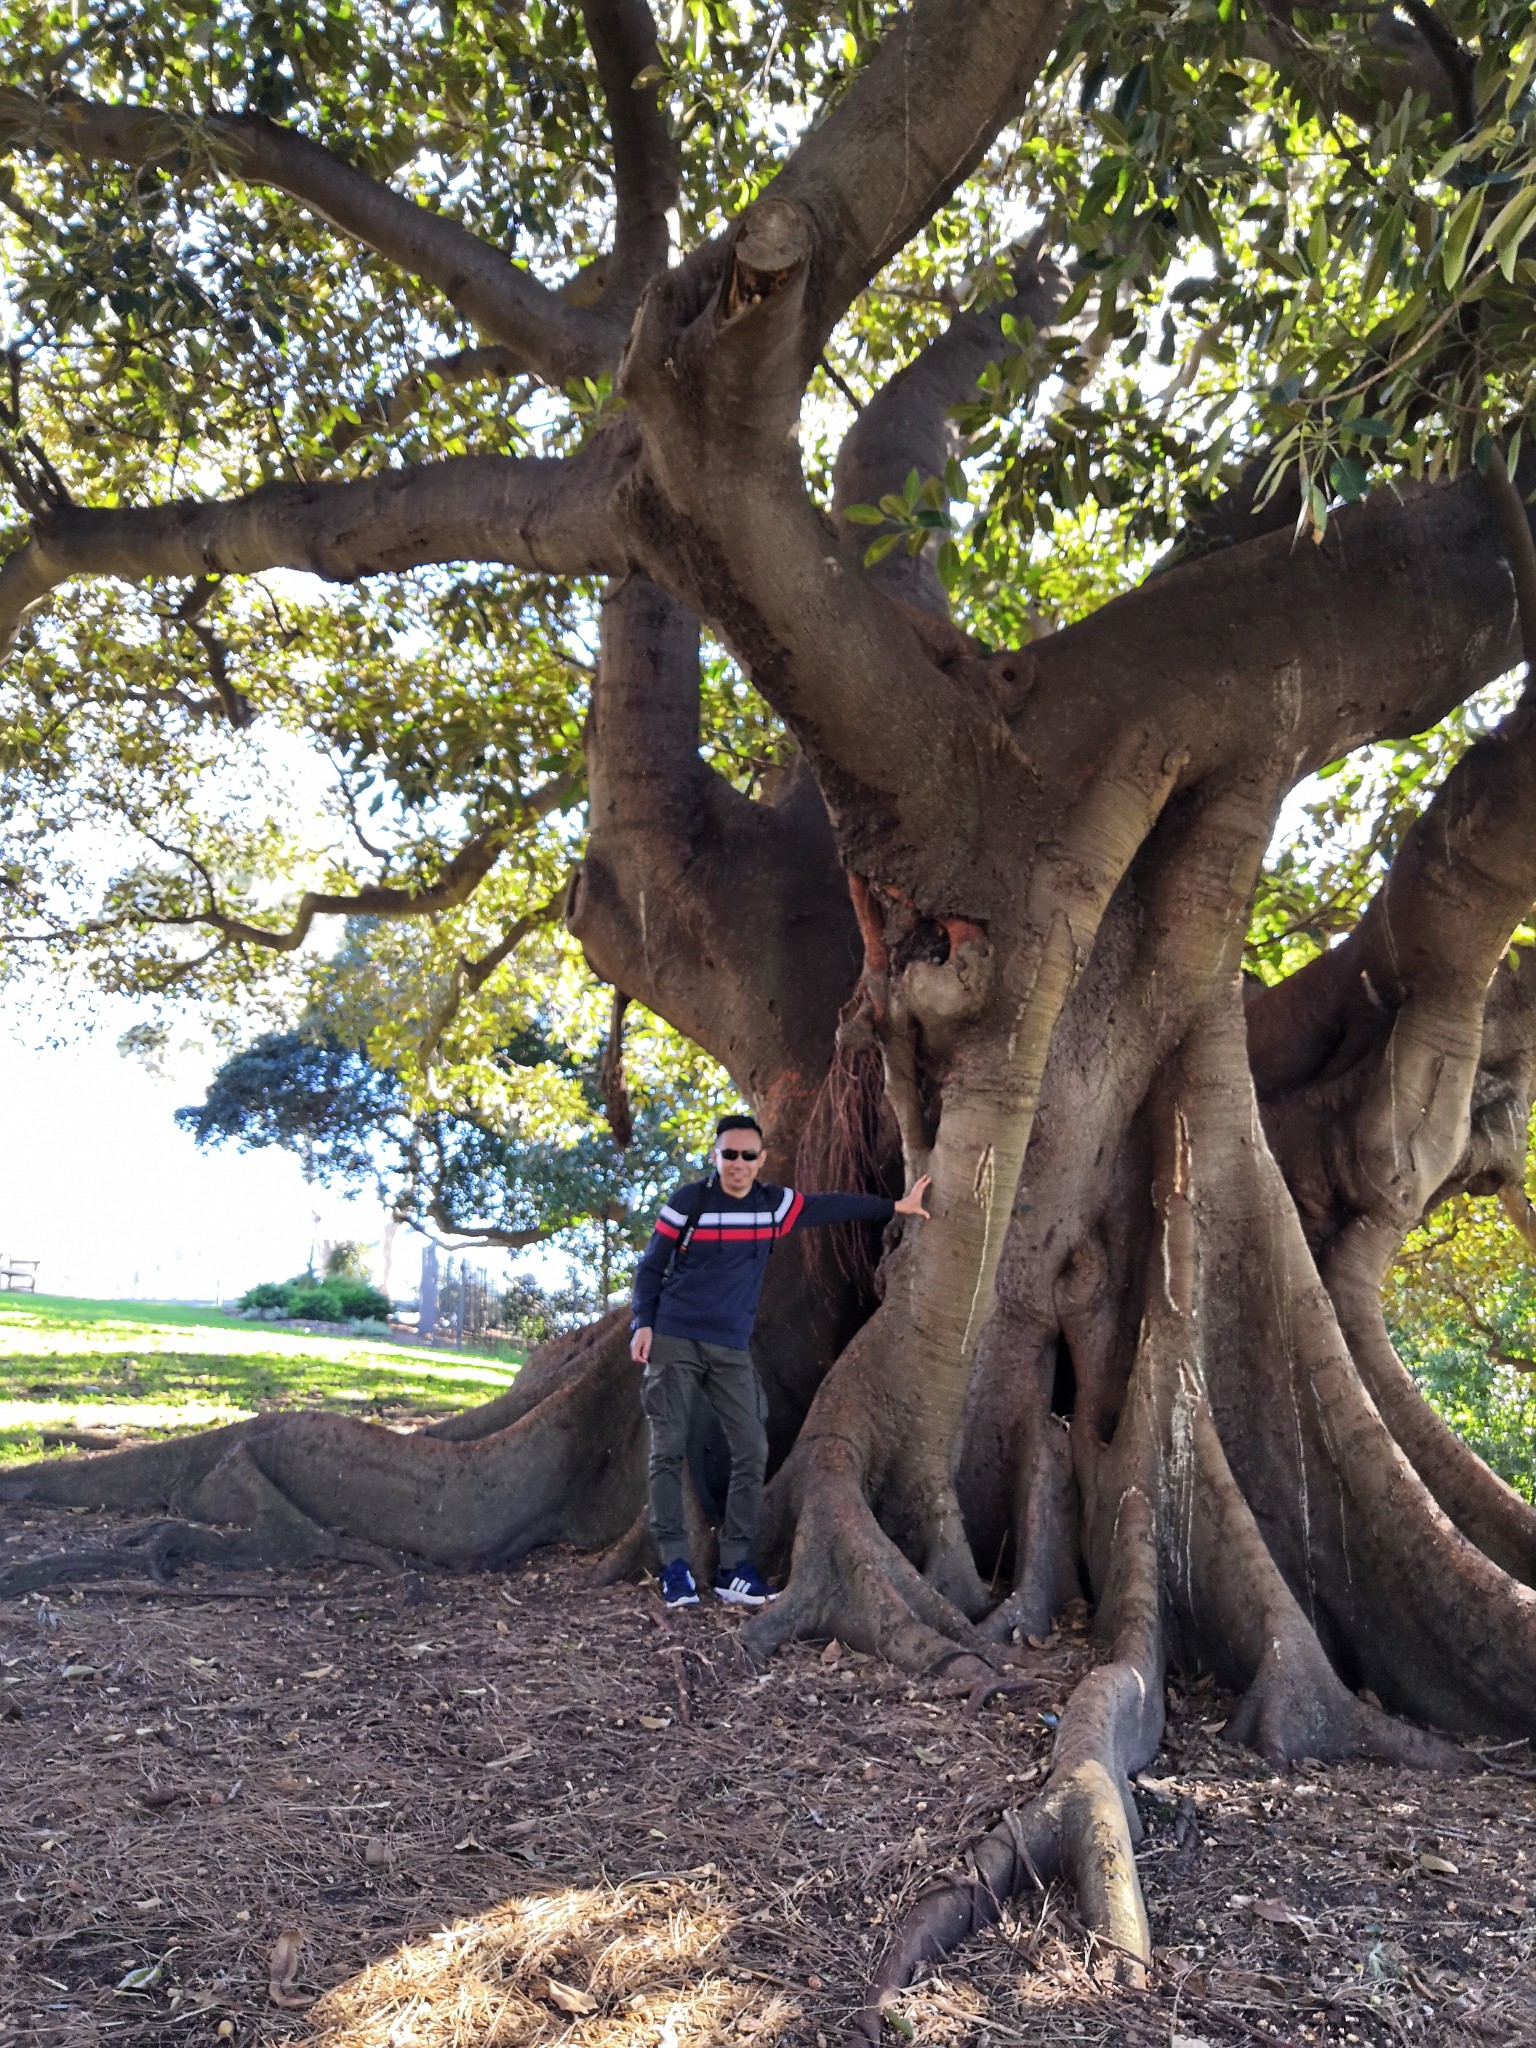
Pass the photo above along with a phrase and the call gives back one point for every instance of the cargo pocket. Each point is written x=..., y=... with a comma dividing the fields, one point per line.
x=653, y=1394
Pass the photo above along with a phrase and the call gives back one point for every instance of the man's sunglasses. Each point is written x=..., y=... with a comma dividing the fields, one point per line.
x=727, y=1152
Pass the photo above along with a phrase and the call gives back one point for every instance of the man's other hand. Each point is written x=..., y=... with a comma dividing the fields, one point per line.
x=640, y=1343
x=911, y=1203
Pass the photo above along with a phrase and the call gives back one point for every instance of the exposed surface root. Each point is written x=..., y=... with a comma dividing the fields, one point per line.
x=1020, y=1853
x=1045, y=1532
x=701, y=1874
x=1084, y=1825
x=849, y=1580
x=565, y=1462
x=162, y=1547
x=550, y=1367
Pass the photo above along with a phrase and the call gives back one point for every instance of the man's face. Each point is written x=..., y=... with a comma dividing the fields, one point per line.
x=739, y=1160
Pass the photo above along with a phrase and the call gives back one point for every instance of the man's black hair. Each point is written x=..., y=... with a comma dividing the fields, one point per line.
x=738, y=1123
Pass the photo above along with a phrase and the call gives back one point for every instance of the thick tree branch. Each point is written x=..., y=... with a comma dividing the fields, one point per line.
x=458, y=882
x=442, y=1215
x=916, y=121
x=1520, y=553
x=551, y=337
x=907, y=424
x=691, y=897
x=1520, y=1214
x=622, y=34
x=1459, y=66
x=548, y=516
x=1376, y=635
x=1401, y=60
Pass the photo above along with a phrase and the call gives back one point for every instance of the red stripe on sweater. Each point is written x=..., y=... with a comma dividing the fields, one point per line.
x=735, y=1235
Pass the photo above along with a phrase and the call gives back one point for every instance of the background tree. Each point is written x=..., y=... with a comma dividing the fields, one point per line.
x=620, y=369
x=353, y=1125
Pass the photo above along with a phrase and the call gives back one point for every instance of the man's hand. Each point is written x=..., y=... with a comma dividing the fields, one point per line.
x=640, y=1347
x=911, y=1203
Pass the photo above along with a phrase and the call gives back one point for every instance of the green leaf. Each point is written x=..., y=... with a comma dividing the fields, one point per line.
x=1509, y=224
x=879, y=549
x=1383, y=251
x=864, y=515
x=1458, y=238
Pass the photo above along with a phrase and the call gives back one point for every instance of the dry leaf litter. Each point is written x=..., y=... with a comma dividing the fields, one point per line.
x=339, y=1809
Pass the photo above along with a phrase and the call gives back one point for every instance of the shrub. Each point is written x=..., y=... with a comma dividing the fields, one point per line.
x=358, y=1298
x=269, y=1295
x=344, y=1299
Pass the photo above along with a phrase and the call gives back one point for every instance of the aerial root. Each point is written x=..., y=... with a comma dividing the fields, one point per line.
x=1488, y=1512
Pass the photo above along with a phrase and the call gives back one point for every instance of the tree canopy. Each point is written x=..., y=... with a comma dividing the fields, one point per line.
x=334, y=245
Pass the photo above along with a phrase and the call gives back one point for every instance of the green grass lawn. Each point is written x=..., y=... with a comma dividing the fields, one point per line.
x=155, y=1368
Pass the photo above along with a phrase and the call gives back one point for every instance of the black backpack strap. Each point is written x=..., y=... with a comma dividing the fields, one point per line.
x=685, y=1236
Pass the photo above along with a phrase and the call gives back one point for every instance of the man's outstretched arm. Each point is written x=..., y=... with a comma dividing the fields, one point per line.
x=807, y=1211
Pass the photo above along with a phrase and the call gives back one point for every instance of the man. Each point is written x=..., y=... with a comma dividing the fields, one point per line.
x=696, y=1296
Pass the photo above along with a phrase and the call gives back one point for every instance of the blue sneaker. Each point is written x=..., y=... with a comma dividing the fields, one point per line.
x=677, y=1585
x=741, y=1585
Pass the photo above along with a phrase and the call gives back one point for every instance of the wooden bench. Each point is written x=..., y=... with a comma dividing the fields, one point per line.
x=19, y=1275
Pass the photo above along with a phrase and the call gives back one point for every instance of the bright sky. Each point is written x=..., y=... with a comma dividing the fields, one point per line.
x=117, y=1202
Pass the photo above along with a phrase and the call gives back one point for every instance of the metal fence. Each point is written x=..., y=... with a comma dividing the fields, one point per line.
x=460, y=1306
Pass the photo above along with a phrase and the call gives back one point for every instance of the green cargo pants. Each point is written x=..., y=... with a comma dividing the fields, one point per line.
x=679, y=1371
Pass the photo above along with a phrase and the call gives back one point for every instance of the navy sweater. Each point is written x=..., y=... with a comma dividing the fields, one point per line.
x=713, y=1292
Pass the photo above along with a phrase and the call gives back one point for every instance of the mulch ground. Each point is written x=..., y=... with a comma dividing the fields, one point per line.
x=339, y=1810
